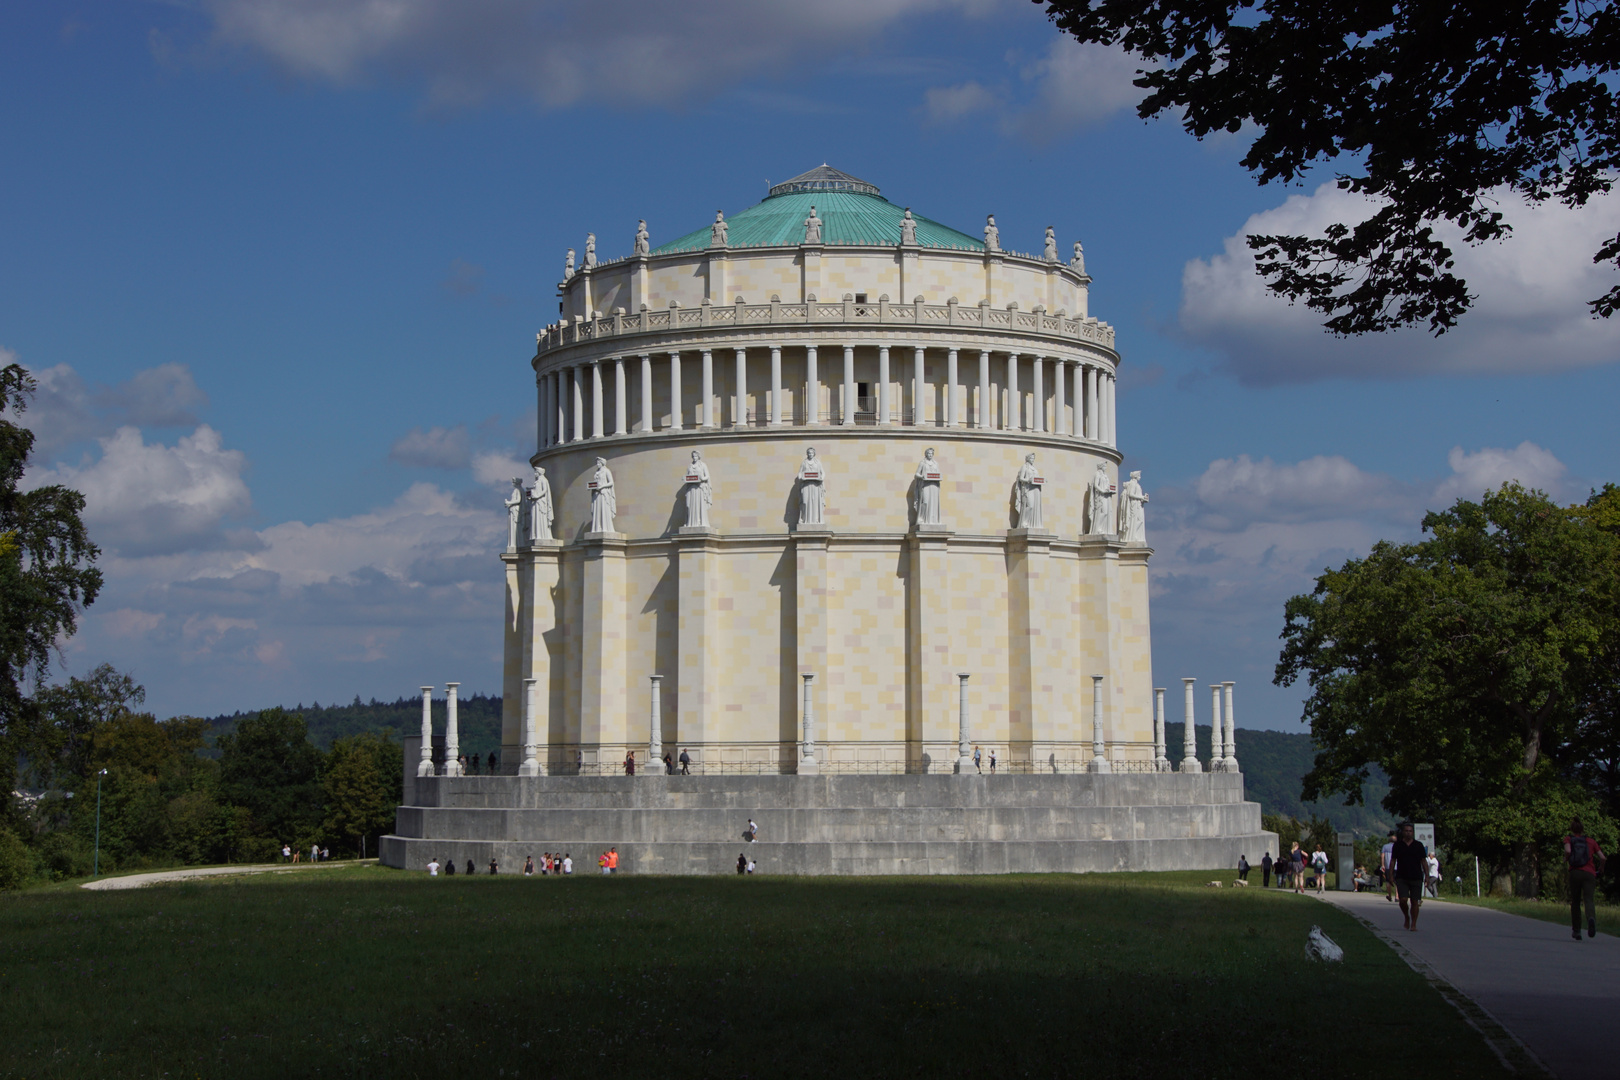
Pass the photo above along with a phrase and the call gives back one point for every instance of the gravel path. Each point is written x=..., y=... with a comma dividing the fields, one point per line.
x=135, y=881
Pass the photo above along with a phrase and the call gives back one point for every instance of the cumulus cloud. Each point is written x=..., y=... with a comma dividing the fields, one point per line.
x=497, y=468
x=435, y=448
x=1530, y=313
x=145, y=498
x=1072, y=85
x=554, y=53
x=67, y=410
x=1484, y=470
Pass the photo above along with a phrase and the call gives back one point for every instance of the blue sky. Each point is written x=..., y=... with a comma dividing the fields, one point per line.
x=279, y=265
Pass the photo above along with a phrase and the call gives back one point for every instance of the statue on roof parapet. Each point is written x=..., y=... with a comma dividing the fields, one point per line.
x=643, y=245
x=718, y=231
x=908, y=228
x=1051, y=253
x=568, y=265
x=1078, y=263
x=812, y=228
x=992, y=235
x=590, y=250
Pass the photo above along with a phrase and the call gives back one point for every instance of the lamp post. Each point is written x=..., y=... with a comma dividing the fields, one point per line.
x=95, y=870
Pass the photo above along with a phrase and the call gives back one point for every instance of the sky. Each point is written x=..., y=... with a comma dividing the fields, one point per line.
x=277, y=266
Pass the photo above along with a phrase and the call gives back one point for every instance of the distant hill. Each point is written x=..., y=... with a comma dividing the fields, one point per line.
x=1273, y=762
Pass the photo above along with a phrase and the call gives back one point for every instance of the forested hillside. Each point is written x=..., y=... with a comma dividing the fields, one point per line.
x=478, y=720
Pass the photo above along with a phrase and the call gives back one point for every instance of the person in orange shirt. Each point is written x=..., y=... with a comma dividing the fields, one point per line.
x=613, y=860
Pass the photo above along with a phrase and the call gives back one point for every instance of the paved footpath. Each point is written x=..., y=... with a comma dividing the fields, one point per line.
x=135, y=881
x=1559, y=997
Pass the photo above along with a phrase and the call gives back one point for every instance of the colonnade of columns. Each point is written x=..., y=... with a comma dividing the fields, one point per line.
x=1223, y=728
x=572, y=397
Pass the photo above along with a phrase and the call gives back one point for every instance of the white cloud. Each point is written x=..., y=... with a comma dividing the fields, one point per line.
x=1072, y=85
x=66, y=410
x=1530, y=314
x=1490, y=468
x=555, y=53
x=147, y=498
x=496, y=468
x=435, y=448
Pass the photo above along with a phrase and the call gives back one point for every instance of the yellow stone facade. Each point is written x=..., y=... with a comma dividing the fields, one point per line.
x=883, y=612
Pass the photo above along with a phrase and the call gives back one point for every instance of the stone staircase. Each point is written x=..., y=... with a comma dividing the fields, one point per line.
x=912, y=824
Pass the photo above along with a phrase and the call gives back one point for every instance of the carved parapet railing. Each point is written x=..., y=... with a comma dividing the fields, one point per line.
x=622, y=325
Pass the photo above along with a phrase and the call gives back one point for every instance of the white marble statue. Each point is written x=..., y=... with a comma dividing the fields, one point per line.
x=908, y=228
x=1050, y=253
x=928, y=478
x=643, y=244
x=541, y=514
x=1102, y=511
x=568, y=265
x=992, y=235
x=590, y=250
x=1078, y=263
x=514, y=514
x=1030, y=483
x=603, y=503
x=812, y=480
x=699, y=496
x=718, y=231
x=812, y=228
x=1132, y=504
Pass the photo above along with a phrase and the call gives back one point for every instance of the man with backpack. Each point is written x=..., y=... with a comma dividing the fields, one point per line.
x=1585, y=859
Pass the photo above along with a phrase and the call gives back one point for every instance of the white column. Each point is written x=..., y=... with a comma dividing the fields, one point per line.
x=577, y=432
x=646, y=393
x=964, y=733
x=741, y=413
x=1189, y=739
x=1015, y=405
x=598, y=428
x=675, y=423
x=531, y=747
x=452, y=734
x=1099, y=749
x=1217, y=748
x=918, y=417
x=883, y=385
x=655, y=724
x=1060, y=387
x=776, y=384
x=1231, y=730
x=808, y=766
x=706, y=417
x=539, y=413
x=1037, y=420
x=559, y=408
x=984, y=408
x=1161, y=763
x=812, y=387
x=953, y=411
x=425, y=766
x=847, y=416
x=1108, y=413
x=621, y=398
x=1091, y=403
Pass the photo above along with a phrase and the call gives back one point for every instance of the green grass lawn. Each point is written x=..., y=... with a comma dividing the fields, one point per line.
x=363, y=971
x=1608, y=915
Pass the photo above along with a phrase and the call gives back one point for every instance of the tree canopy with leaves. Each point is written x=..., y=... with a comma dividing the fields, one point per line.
x=1433, y=108
x=1467, y=666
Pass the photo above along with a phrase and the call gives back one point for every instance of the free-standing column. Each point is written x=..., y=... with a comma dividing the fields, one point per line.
x=1091, y=403
x=1217, y=747
x=559, y=408
x=646, y=393
x=452, y=735
x=1015, y=405
x=425, y=766
x=655, y=726
x=883, y=385
x=1037, y=419
x=984, y=411
x=847, y=415
x=953, y=409
x=964, y=733
x=739, y=415
x=1231, y=731
x=918, y=417
x=531, y=749
x=675, y=423
x=598, y=429
x=812, y=387
x=776, y=384
x=706, y=417
x=1108, y=411
x=1099, y=749
x=539, y=413
x=621, y=398
x=1189, y=738
x=1060, y=385
x=1161, y=763
x=808, y=765
x=578, y=431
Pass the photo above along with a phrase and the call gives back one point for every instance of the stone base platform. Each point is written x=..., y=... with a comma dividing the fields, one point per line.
x=912, y=824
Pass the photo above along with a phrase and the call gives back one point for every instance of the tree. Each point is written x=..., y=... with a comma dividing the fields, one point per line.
x=65, y=720
x=363, y=781
x=47, y=562
x=1462, y=665
x=1436, y=107
x=269, y=768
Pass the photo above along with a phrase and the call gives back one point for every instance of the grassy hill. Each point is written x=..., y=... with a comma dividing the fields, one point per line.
x=1273, y=761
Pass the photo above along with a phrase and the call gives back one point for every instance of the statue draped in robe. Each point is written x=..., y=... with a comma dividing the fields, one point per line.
x=928, y=478
x=590, y=250
x=718, y=231
x=541, y=514
x=603, y=503
x=514, y=514
x=1029, y=486
x=1050, y=253
x=812, y=228
x=699, y=496
x=643, y=244
x=908, y=228
x=992, y=235
x=1102, y=510
x=812, y=480
x=1132, y=516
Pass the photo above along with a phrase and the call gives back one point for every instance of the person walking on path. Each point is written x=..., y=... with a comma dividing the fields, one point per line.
x=1319, y=863
x=568, y=863
x=528, y=866
x=1265, y=871
x=470, y=866
x=1384, y=869
x=742, y=863
x=1243, y=868
x=601, y=862
x=976, y=766
x=1296, y=868
x=433, y=868
x=1586, y=861
x=1409, y=860
x=630, y=763
x=494, y=866
x=1431, y=877
x=613, y=860
x=686, y=762
x=286, y=853
x=992, y=762
x=669, y=765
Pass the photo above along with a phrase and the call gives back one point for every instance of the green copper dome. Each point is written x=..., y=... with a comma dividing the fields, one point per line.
x=851, y=211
